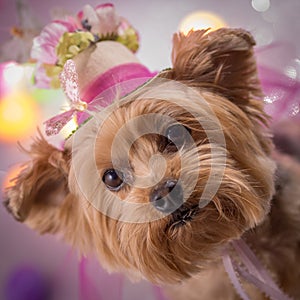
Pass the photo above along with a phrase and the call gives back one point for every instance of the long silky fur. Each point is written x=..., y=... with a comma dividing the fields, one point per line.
x=220, y=69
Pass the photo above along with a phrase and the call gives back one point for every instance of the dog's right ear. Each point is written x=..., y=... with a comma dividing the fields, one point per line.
x=41, y=187
x=221, y=61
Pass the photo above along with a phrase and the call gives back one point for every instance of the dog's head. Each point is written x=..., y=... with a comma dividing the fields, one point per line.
x=162, y=179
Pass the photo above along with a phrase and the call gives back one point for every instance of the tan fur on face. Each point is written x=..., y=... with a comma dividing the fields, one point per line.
x=242, y=200
x=220, y=68
x=41, y=182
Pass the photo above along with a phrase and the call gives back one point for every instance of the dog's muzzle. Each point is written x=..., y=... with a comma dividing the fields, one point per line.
x=167, y=197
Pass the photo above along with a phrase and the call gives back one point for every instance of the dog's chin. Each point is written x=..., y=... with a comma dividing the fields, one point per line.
x=174, y=248
x=183, y=215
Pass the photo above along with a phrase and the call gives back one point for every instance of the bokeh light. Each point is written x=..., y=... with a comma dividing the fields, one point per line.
x=19, y=116
x=291, y=72
x=12, y=75
x=261, y=5
x=201, y=20
x=48, y=96
x=27, y=283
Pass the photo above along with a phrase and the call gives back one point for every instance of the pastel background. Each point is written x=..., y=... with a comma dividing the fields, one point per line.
x=275, y=24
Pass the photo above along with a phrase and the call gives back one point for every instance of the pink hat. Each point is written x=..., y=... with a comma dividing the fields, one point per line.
x=86, y=55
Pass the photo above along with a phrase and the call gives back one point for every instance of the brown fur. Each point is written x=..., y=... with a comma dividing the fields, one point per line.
x=220, y=67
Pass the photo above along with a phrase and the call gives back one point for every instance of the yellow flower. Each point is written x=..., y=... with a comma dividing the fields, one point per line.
x=72, y=43
x=53, y=71
x=129, y=38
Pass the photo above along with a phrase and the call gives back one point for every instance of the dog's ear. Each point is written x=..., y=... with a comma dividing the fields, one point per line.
x=41, y=187
x=221, y=61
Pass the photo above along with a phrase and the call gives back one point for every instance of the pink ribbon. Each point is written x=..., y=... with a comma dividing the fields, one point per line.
x=69, y=82
x=252, y=271
x=114, y=76
x=81, y=101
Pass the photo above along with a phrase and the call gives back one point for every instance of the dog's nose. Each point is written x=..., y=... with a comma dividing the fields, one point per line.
x=167, y=197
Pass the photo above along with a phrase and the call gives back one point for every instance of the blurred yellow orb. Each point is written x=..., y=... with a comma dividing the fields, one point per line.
x=201, y=20
x=19, y=116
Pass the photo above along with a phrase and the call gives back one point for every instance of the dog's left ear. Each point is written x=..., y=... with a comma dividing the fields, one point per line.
x=221, y=61
x=42, y=186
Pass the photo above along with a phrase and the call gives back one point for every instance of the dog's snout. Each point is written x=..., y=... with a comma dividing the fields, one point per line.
x=167, y=197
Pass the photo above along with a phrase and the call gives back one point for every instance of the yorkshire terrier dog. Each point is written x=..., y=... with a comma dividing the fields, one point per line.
x=159, y=183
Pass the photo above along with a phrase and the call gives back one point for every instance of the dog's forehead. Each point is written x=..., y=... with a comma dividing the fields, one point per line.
x=128, y=132
x=148, y=110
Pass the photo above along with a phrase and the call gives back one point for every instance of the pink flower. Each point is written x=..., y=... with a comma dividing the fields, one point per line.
x=41, y=78
x=63, y=39
x=101, y=21
x=43, y=49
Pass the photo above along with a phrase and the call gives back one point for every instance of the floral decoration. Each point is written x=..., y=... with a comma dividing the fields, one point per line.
x=62, y=40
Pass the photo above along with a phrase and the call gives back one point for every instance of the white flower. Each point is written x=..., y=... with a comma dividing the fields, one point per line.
x=102, y=20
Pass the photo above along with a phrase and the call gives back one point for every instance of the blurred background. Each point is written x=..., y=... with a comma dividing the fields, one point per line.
x=44, y=262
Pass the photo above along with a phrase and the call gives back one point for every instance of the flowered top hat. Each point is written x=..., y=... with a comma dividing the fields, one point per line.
x=86, y=55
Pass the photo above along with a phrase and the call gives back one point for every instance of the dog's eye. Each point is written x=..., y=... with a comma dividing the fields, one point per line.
x=177, y=135
x=112, y=179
